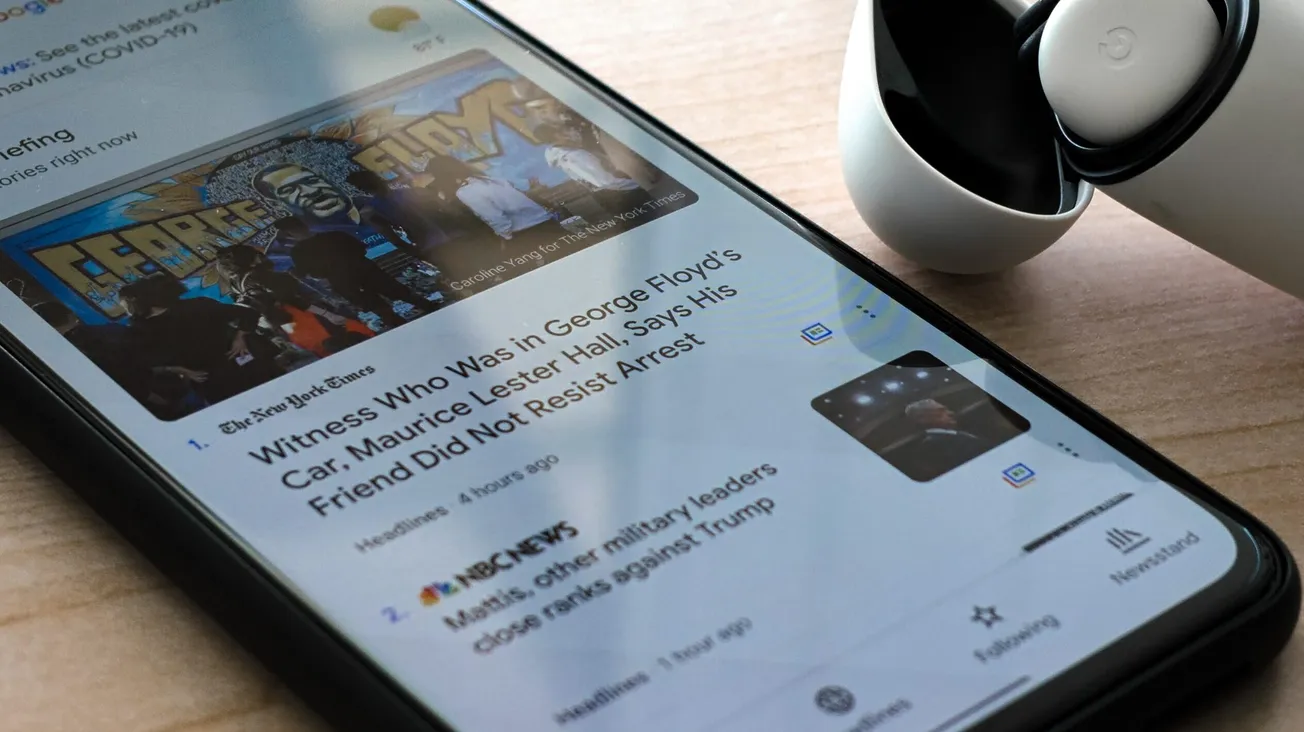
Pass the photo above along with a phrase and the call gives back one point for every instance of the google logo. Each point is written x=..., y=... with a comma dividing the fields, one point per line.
x=34, y=7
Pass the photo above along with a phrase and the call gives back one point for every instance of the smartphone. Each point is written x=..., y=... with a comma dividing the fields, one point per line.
x=552, y=421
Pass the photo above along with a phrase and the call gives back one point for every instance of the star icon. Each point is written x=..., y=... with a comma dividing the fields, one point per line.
x=986, y=615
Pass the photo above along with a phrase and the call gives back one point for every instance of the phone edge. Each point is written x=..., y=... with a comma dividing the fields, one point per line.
x=292, y=642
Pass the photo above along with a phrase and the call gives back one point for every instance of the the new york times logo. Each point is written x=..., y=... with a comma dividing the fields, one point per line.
x=33, y=7
x=505, y=560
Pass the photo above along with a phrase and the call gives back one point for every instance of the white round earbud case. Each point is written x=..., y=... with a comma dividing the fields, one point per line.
x=911, y=206
x=1112, y=68
x=1188, y=112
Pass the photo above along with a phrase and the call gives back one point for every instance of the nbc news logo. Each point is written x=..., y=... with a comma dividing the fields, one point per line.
x=432, y=594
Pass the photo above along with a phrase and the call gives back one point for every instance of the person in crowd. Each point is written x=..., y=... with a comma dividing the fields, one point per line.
x=541, y=108
x=942, y=442
x=614, y=191
x=450, y=235
x=340, y=259
x=212, y=345
x=285, y=305
x=514, y=216
x=629, y=162
x=111, y=347
x=404, y=210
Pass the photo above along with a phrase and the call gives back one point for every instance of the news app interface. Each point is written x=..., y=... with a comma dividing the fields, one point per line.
x=526, y=403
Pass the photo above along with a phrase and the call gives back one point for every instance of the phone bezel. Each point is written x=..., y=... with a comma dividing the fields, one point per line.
x=291, y=638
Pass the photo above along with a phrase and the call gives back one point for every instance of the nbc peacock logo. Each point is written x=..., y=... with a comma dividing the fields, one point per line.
x=433, y=593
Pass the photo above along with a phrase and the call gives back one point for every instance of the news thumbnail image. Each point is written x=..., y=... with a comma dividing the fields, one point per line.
x=921, y=416
x=200, y=286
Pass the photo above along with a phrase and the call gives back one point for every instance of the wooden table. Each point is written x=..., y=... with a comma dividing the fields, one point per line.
x=1195, y=357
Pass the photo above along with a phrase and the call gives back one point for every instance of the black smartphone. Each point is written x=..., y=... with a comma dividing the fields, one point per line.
x=470, y=397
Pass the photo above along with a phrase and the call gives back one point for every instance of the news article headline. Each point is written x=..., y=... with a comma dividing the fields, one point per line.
x=106, y=46
x=477, y=400
x=628, y=557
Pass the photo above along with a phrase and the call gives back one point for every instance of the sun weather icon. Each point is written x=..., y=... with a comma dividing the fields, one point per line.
x=399, y=19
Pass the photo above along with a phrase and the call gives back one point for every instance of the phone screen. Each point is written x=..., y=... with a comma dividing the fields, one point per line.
x=524, y=398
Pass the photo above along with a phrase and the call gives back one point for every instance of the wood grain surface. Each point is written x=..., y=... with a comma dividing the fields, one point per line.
x=1195, y=357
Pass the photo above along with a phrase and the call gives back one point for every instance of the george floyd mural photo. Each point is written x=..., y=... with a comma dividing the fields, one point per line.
x=195, y=287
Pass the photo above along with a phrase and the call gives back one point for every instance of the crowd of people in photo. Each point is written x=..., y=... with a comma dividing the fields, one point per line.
x=353, y=258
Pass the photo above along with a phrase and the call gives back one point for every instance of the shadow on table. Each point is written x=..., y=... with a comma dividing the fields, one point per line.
x=1246, y=703
x=973, y=296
